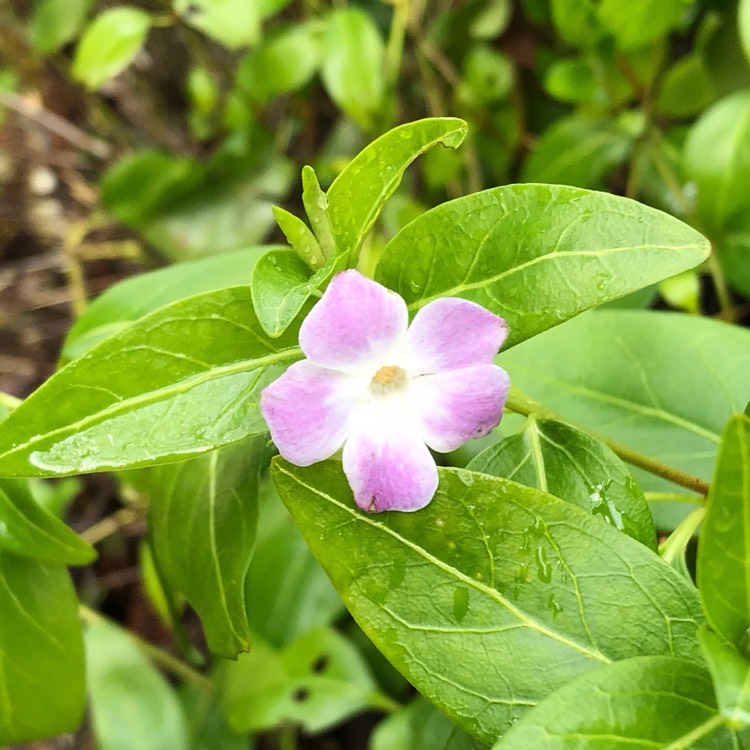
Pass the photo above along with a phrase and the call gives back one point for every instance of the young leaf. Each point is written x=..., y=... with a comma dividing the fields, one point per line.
x=358, y=194
x=489, y=573
x=638, y=704
x=574, y=248
x=299, y=236
x=139, y=295
x=317, y=682
x=662, y=383
x=41, y=651
x=724, y=548
x=233, y=23
x=353, y=64
x=203, y=517
x=179, y=382
x=55, y=23
x=731, y=675
x=123, y=684
x=109, y=44
x=316, y=206
x=570, y=464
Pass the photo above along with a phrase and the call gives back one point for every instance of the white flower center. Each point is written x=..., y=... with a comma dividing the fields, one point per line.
x=388, y=380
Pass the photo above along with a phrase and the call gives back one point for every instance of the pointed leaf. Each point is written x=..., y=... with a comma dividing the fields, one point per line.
x=460, y=595
x=572, y=248
x=179, y=382
x=570, y=464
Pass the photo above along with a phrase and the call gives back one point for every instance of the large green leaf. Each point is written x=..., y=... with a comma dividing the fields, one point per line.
x=639, y=704
x=570, y=464
x=537, y=254
x=203, y=517
x=133, y=298
x=731, y=675
x=41, y=651
x=179, y=382
x=724, y=549
x=662, y=383
x=495, y=594
x=132, y=705
x=358, y=194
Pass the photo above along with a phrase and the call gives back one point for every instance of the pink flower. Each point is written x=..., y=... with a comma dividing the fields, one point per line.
x=387, y=391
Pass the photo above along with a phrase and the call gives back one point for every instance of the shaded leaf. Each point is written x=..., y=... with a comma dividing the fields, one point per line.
x=54, y=23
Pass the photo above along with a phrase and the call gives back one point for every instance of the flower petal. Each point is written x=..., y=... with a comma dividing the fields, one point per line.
x=459, y=405
x=452, y=333
x=356, y=322
x=309, y=411
x=389, y=469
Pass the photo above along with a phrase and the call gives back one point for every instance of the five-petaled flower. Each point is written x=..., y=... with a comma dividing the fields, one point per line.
x=387, y=390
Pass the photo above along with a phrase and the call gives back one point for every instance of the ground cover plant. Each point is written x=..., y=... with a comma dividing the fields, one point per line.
x=414, y=411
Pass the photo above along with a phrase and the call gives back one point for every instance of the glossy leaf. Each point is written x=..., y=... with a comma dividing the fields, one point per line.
x=572, y=248
x=724, y=548
x=637, y=704
x=640, y=22
x=109, y=44
x=717, y=158
x=179, y=382
x=731, y=675
x=41, y=651
x=358, y=194
x=317, y=682
x=300, y=237
x=54, y=23
x=353, y=53
x=491, y=572
x=29, y=530
x=233, y=23
x=287, y=591
x=570, y=464
x=662, y=383
x=316, y=206
x=203, y=517
x=132, y=705
x=137, y=296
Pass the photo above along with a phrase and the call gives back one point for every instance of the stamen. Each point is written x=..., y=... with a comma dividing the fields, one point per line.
x=388, y=379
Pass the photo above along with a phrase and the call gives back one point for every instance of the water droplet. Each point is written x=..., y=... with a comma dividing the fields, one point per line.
x=543, y=567
x=439, y=522
x=460, y=602
x=466, y=478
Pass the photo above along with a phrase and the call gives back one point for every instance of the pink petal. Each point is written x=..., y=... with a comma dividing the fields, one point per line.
x=389, y=469
x=459, y=405
x=451, y=333
x=357, y=320
x=309, y=411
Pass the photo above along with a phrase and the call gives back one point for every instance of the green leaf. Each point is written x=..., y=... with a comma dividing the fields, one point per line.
x=203, y=517
x=132, y=705
x=638, y=704
x=208, y=727
x=570, y=80
x=30, y=531
x=301, y=238
x=662, y=383
x=641, y=22
x=717, y=158
x=316, y=206
x=135, y=297
x=578, y=151
x=358, y=194
x=686, y=89
x=573, y=248
x=233, y=23
x=731, y=676
x=734, y=253
x=490, y=567
x=109, y=44
x=287, y=591
x=41, y=651
x=488, y=74
x=576, y=22
x=724, y=548
x=182, y=381
x=353, y=61
x=54, y=23
x=281, y=64
x=570, y=464
x=420, y=726
x=317, y=682
x=743, y=25
x=281, y=284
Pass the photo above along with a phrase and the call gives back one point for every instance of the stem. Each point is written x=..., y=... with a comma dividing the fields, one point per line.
x=720, y=284
x=676, y=542
x=159, y=656
x=671, y=497
x=395, y=50
x=288, y=737
x=109, y=525
x=522, y=405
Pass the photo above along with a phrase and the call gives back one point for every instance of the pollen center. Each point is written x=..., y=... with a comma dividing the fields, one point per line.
x=388, y=379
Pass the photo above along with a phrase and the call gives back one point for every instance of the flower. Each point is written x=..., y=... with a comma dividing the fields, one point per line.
x=387, y=391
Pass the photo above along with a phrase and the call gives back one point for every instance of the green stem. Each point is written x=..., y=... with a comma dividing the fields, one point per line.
x=395, y=50
x=671, y=497
x=677, y=541
x=288, y=737
x=522, y=405
x=156, y=654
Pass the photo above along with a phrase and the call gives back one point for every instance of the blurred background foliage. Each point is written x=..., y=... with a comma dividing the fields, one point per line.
x=137, y=135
